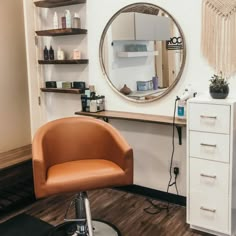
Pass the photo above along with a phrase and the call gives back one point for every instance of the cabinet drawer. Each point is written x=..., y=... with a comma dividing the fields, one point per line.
x=209, y=146
x=209, y=118
x=209, y=212
x=208, y=177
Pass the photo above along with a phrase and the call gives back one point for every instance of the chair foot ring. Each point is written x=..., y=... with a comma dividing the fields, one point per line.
x=101, y=228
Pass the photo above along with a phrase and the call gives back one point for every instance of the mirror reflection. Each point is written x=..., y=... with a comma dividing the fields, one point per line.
x=142, y=52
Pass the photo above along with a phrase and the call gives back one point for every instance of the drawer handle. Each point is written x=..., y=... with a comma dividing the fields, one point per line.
x=208, y=176
x=208, y=117
x=207, y=209
x=208, y=145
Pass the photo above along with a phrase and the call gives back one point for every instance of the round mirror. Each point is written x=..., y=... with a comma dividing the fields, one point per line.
x=142, y=52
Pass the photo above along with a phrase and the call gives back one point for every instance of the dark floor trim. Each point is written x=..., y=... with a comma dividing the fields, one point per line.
x=155, y=194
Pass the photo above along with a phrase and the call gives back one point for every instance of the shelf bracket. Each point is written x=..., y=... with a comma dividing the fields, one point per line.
x=36, y=41
x=106, y=119
x=179, y=130
x=39, y=101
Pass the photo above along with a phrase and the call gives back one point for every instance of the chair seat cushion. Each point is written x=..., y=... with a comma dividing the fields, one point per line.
x=83, y=175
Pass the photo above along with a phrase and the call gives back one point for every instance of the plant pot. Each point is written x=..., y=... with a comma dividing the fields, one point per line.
x=219, y=92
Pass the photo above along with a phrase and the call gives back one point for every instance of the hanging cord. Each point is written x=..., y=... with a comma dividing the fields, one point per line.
x=173, y=151
x=157, y=208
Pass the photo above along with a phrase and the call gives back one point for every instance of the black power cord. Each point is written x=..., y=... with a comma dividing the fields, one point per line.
x=157, y=208
x=176, y=170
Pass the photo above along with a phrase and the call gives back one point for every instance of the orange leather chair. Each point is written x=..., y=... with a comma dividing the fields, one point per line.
x=78, y=154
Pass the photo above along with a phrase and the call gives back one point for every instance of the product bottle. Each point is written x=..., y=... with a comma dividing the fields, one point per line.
x=68, y=19
x=51, y=53
x=93, y=102
x=155, y=82
x=84, y=102
x=45, y=54
x=181, y=109
x=76, y=54
x=76, y=21
x=63, y=22
x=60, y=54
x=55, y=21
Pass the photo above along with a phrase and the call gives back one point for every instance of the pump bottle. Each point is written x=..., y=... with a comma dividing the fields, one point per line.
x=45, y=54
x=55, y=21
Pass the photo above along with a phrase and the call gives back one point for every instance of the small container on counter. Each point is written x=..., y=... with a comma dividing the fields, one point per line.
x=93, y=106
x=76, y=54
x=51, y=53
x=68, y=18
x=79, y=85
x=60, y=54
x=45, y=54
x=76, y=21
x=55, y=21
x=63, y=22
x=155, y=82
x=59, y=84
x=66, y=85
x=51, y=84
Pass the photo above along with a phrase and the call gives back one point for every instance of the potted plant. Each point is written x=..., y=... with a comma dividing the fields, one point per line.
x=219, y=87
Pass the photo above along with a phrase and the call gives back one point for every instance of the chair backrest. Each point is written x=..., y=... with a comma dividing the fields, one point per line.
x=75, y=138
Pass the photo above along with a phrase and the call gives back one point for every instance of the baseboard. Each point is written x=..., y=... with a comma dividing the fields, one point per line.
x=15, y=157
x=155, y=194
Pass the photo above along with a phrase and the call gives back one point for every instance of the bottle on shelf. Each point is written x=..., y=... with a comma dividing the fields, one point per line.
x=155, y=82
x=63, y=22
x=76, y=21
x=76, y=54
x=68, y=18
x=60, y=54
x=45, y=54
x=55, y=21
x=51, y=53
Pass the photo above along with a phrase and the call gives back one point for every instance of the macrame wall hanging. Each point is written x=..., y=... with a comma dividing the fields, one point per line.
x=219, y=35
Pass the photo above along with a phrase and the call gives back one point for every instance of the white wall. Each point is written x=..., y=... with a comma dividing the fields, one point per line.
x=152, y=143
x=15, y=122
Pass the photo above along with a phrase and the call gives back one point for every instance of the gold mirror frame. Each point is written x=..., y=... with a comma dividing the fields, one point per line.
x=153, y=7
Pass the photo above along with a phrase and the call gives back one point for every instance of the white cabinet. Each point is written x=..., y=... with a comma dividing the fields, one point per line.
x=211, y=153
x=139, y=26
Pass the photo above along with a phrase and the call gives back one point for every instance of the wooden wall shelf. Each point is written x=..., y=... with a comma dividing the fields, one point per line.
x=58, y=90
x=57, y=3
x=60, y=62
x=60, y=32
x=164, y=120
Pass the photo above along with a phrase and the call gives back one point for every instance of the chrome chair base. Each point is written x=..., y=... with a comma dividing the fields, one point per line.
x=100, y=228
x=82, y=224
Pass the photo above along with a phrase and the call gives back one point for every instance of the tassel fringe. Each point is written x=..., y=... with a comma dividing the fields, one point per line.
x=218, y=41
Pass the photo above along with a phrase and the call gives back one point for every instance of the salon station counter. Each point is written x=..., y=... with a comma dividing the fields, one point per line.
x=164, y=120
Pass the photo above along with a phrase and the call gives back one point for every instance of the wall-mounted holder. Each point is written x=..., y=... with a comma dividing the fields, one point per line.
x=93, y=104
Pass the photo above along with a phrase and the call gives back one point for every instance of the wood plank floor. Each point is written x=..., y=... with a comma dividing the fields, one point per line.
x=125, y=210
x=15, y=157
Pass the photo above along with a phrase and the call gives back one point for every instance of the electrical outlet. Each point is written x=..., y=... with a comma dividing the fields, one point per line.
x=175, y=163
x=176, y=171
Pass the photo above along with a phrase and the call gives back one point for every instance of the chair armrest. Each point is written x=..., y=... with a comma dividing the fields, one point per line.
x=120, y=151
x=39, y=165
